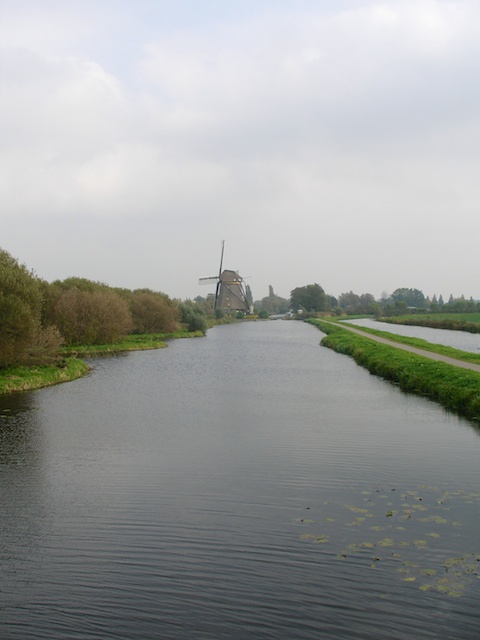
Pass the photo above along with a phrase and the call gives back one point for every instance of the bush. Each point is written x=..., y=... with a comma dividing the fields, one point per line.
x=153, y=312
x=87, y=318
x=193, y=317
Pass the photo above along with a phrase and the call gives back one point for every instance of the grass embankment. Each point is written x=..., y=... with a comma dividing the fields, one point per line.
x=35, y=377
x=421, y=344
x=131, y=342
x=29, y=378
x=457, y=321
x=455, y=389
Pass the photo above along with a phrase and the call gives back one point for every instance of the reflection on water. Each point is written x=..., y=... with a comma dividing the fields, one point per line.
x=248, y=484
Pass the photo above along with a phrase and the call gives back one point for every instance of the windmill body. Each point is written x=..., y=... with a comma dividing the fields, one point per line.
x=231, y=294
x=230, y=291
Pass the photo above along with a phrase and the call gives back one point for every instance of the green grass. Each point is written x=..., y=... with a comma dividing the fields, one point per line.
x=454, y=388
x=29, y=378
x=421, y=344
x=35, y=377
x=133, y=342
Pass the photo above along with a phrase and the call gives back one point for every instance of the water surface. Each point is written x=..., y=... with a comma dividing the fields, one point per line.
x=250, y=484
x=457, y=339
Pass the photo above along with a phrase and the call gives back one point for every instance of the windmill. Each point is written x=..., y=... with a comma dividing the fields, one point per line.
x=230, y=292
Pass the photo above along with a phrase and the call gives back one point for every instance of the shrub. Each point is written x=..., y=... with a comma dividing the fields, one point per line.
x=193, y=317
x=153, y=312
x=98, y=317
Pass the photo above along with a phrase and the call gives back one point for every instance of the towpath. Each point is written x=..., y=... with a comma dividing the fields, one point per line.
x=420, y=352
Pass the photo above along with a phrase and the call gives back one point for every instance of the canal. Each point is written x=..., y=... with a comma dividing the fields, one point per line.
x=249, y=484
x=462, y=340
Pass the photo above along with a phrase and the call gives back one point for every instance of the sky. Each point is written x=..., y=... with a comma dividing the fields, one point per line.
x=333, y=142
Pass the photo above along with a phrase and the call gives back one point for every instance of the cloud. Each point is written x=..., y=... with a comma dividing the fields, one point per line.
x=294, y=128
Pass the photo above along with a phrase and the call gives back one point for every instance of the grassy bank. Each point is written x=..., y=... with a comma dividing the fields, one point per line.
x=421, y=344
x=455, y=389
x=131, y=342
x=29, y=378
x=456, y=321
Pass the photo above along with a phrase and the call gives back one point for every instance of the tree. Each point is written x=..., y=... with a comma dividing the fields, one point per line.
x=92, y=317
x=411, y=297
x=20, y=310
x=273, y=304
x=309, y=298
x=349, y=302
x=153, y=312
x=249, y=295
x=193, y=316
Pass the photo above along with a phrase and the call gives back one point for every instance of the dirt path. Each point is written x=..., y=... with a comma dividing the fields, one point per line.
x=419, y=352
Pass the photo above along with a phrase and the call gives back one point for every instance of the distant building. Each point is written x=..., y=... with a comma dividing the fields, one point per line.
x=231, y=294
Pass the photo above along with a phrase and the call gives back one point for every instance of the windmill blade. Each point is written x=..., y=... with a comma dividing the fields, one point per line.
x=208, y=280
x=217, y=291
x=221, y=259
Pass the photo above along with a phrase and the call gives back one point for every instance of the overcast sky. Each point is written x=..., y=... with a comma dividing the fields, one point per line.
x=335, y=142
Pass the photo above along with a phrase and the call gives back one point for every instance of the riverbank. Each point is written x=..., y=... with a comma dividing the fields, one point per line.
x=455, y=388
x=132, y=342
x=29, y=378
x=469, y=322
x=417, y=343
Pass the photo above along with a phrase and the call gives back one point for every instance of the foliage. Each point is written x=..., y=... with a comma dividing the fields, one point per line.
x=411, y=297
x=207, y=304
x=309, y=298
x=193, y=317
x=153, y=312
x=20, y=313
x=92, y=317
x=457, y=322
x=80, y=284
x=273, y=304
x=354, y=304
x=249, y=295
x=455, y=388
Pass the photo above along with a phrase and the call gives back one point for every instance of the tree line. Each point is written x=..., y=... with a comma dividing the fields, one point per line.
x=37, y=318
x=312, y=298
